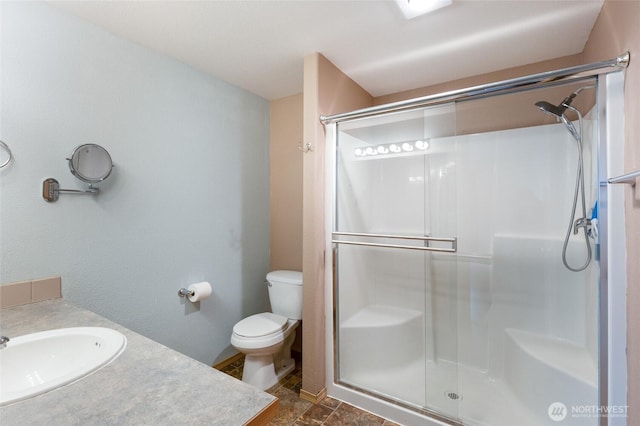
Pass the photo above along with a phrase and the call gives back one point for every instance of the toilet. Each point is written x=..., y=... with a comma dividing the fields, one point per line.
x=266, y=338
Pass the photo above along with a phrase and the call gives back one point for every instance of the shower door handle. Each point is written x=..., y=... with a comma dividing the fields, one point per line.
x=426, y=247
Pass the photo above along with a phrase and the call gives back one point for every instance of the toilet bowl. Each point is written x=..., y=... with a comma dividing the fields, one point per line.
x=266, y=338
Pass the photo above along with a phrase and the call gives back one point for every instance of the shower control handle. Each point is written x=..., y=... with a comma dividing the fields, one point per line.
x=582, y=222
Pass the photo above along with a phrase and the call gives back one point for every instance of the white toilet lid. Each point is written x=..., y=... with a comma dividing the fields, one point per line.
x=286, y=277
x=260, y=325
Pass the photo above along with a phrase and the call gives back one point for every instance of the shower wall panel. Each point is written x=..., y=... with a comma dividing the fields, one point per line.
x=514, y=190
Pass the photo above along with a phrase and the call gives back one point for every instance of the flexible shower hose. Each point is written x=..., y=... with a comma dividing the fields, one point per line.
x=579, y=187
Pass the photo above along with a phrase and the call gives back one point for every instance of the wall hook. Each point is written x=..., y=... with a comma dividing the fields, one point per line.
x=306, y=148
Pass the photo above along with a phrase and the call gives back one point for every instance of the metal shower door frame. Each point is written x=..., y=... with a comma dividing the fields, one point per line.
x=609, y=322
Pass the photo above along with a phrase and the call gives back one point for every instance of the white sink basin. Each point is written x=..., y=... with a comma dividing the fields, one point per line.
x=36, y=363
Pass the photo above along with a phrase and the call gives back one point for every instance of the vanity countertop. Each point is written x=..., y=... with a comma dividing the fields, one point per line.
x=148, y=384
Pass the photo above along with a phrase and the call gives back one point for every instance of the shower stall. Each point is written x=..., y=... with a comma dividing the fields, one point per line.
x=470, y=274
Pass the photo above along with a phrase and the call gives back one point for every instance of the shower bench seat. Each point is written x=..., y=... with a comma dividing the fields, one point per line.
x=542, y=370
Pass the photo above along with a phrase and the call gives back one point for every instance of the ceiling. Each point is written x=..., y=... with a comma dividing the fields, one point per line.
x=260, y=45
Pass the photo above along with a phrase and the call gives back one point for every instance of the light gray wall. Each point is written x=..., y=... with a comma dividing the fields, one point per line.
x=188, y=200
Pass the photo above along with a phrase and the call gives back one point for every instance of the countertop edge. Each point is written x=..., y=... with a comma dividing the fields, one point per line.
x=147, y=384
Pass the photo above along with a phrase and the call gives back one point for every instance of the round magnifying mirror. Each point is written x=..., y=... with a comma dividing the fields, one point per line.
x=90, y=163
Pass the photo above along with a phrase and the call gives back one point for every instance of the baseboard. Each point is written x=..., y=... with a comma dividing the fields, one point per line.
x=224, y=363
x=264, y=417
x=311, y=397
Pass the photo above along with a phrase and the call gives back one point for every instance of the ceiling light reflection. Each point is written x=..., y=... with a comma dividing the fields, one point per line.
x=422, y=145
x=389, y=149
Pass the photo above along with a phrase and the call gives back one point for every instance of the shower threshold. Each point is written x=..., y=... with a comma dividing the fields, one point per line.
x=481, y=400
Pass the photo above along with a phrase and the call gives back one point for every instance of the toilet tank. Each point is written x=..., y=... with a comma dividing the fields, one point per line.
x=285, y=293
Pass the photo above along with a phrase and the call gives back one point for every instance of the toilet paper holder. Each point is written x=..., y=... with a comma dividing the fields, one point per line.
x=196, y=292
x=185, y=292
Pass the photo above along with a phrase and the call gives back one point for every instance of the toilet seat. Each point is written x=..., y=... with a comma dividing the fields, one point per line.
x=260, y=325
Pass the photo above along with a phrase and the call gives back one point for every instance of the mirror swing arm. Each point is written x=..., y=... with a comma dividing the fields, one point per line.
x=51, y=190
x=90, y=163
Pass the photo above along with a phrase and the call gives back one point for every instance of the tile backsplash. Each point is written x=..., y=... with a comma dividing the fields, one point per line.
x=25, y=292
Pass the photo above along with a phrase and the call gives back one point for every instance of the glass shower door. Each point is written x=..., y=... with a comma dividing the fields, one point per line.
x=527, y=325
x=395, y=274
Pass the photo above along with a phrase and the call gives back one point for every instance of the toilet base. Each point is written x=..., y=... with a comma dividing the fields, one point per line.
x=287, y=367
x=263, y=368
x=259, y=371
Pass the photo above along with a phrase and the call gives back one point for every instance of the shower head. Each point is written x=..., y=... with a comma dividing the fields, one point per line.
x=546, y=107
x=558, y=110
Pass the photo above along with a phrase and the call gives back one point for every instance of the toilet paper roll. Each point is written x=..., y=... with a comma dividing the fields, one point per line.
x=200, y=291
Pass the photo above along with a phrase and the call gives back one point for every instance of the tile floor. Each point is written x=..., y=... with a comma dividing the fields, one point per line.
x=297, y=411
